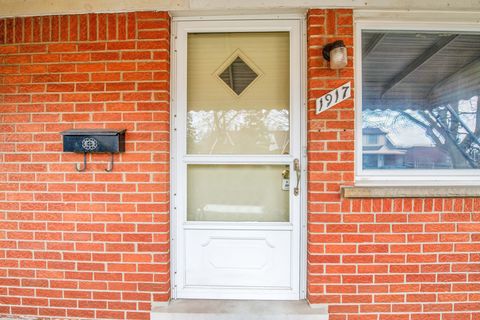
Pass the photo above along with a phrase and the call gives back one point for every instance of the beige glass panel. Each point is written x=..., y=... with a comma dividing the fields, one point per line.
x=230, y=110
x=237, y=193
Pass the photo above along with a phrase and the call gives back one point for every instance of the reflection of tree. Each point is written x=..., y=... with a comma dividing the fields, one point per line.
x=453, y=128
x=245, y=129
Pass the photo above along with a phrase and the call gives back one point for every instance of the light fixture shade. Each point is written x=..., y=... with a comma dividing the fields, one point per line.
x=338, y=58
x=336, y=53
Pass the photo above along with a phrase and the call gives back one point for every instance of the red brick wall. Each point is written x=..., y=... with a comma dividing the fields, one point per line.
x=91, y=244
x=378, y=259
x=95, y=244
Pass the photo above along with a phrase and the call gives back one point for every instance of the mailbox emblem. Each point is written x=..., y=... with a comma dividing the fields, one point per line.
x=89, y=144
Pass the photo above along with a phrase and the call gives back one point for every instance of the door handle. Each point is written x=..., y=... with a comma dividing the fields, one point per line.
x=296, y=167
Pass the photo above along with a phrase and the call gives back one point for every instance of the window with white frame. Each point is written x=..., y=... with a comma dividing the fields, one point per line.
x=420, y=108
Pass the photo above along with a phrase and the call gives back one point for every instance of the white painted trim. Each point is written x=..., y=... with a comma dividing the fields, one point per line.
x=16, y=8
x=293, y=23
x=240, y=159
x=303, y=163
x=374, y=4
x=253, y=293
x=173, y=160
x=213, y=225
x=418, y=16
x=458, y=177
x=203, y=16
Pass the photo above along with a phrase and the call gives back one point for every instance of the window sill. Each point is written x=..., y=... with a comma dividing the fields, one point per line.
x=410, y=192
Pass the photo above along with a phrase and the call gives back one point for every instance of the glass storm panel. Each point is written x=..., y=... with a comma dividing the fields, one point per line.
x=421, y=98
x=238, y=99
x=238, y=75
x=237, y=193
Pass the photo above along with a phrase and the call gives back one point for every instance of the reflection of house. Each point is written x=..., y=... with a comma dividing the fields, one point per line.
x=379, y=152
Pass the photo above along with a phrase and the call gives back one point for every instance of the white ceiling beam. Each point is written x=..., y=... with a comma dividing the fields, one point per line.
x=373, y=44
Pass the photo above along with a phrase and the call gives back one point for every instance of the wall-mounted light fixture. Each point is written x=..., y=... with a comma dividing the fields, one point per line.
x=336, y=53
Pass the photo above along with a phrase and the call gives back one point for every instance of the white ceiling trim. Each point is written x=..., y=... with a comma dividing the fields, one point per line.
x=426, y=16
x=9, y=8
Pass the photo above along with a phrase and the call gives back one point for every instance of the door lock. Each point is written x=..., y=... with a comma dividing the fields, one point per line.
x=286, y=179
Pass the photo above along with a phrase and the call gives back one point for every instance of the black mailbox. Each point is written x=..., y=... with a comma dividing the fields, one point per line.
x=94, y=141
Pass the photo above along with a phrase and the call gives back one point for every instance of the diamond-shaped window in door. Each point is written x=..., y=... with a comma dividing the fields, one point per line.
x=238, y=74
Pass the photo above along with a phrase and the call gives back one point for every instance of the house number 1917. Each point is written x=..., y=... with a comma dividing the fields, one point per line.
x=333, y=98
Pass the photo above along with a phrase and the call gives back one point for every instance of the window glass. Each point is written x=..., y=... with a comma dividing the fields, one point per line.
x=420, y=100
x=238, y=75
x=238, y=93
x=372, y=139
x=237, y=193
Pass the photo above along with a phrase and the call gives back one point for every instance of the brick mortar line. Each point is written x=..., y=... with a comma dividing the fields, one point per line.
x=80, y=42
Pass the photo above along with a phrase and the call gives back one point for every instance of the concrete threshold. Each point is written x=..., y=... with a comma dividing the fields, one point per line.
x=238, y=310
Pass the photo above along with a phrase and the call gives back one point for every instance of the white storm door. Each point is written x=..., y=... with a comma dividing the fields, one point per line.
x=237, y=204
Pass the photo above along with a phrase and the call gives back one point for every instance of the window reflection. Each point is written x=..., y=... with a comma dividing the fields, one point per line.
x=440, y=138
x=248, y=131
x=420, y=105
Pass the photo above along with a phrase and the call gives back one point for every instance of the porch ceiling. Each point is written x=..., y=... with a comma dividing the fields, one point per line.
x=401, y=71
x=10, y=8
